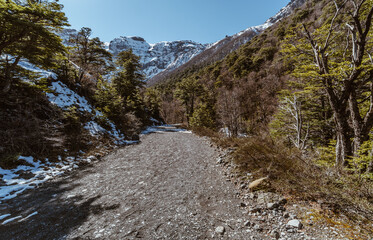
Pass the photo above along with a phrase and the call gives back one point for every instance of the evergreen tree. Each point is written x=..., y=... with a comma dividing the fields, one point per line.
x=203, y=116
x=187, y=92
x=107, y=99
x=27, y=31
x=152, y=102
x=129, y=80
x=90, y=55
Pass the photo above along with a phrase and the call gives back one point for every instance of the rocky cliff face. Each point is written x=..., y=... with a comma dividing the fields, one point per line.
x=159, y=56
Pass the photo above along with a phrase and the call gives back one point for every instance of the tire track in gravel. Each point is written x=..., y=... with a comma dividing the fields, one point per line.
x=166, y=187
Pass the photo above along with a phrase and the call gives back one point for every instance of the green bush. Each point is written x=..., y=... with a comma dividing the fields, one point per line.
x=203, y=116
x=360, y=163
x=326, y=156
x=9, y=161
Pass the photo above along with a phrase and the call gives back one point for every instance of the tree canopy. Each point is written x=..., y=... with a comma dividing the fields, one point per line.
x=336, y=57
x=28, y=31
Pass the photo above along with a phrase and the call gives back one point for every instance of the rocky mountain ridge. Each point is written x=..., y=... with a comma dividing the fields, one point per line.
x=155, y=58
x=159, y=56
x=218, y=50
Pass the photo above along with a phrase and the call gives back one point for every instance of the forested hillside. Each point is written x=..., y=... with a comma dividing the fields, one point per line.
x=295, y=102
x=63, y=98
x=220, y=49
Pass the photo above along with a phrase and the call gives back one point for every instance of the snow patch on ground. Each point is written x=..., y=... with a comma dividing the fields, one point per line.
x=15, y=218
x=226, y=132
x=60, y=94
x=94, y=129
x=16, y=181
x=32, y=214
x=64, y=97
x=11, y=220
x=43, y=73
x=4, y=216
x=186, y=131
x=30, y=67
x=163, y=128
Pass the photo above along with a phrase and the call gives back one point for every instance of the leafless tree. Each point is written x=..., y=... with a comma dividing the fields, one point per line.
x=294, y=108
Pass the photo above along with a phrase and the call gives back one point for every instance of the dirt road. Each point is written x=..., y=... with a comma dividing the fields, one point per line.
x=166, y=187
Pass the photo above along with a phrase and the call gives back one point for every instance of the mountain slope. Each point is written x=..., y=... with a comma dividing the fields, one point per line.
x=222, y=48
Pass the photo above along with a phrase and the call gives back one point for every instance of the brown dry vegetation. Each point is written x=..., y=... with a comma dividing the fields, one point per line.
x=28, y=124
x=296, y=176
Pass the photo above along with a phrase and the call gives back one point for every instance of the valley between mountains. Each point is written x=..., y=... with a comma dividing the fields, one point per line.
x=264, y=134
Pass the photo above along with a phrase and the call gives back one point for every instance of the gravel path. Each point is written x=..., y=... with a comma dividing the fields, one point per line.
x=166, y=187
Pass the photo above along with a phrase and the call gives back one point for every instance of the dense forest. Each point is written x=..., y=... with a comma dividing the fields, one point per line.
x=295, y=103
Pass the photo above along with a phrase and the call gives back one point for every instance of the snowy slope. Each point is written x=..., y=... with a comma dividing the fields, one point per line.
x=36, y=171
x=157, y=57
x=62, y=96
x=284, y=12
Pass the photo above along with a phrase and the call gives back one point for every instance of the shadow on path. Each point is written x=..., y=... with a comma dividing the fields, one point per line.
x=57, y=214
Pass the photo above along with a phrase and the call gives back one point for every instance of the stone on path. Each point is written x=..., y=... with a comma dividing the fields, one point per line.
x=220, y=230
x=294, y=223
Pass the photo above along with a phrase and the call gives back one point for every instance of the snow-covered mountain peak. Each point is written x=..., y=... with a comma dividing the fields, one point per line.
x=285, y=11
x=160, y=56
x=137, y=44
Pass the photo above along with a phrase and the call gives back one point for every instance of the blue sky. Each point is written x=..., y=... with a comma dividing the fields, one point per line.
x=203, y=21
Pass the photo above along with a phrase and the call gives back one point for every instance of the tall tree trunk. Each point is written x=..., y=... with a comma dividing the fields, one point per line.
x=187, y=113
x=356, y=123
x=344, y=145
x=5, y=84
x=343, y=149
x=361, y=126
x=7, y=77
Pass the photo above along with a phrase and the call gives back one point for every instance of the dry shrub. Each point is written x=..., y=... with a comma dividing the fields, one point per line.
x=287, y=171
x=203, y=131
x=28, y=124
x=171, y=110
x=131, y=125
x=291, y=173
